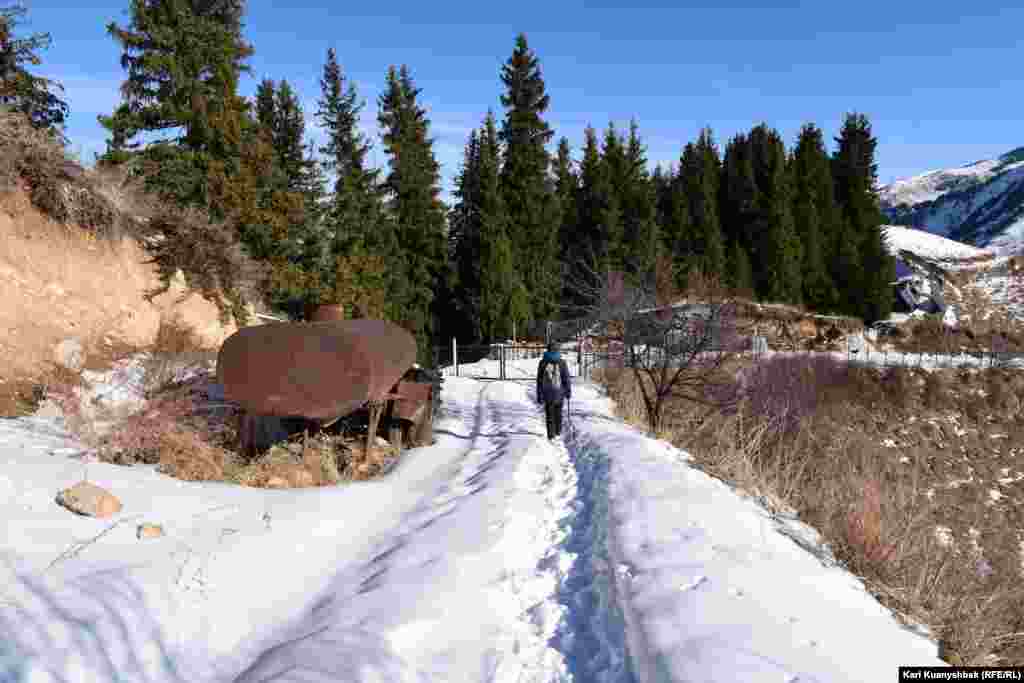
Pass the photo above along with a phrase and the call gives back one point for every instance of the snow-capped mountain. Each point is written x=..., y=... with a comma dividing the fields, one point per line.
x=981, y=204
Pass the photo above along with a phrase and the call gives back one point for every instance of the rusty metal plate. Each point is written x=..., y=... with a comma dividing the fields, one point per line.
x=316, y=370
x=414, y=395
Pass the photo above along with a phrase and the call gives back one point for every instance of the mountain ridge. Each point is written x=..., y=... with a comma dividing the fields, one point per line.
x=980, y=204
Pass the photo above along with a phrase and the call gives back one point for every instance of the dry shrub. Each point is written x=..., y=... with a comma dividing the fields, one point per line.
x=786, y=389
x=935, y=394
x=211, y=256
x=316, y=460
x=175, y=348
x=60, y=384
x=620, y=385
x=364, y=464
x=139, y=438
x=184, y=455
x=57, y=186
x=864, y=528
x=20, y=396
x=898, y=385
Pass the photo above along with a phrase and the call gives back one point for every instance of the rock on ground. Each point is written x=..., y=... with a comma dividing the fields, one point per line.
x=90, y=500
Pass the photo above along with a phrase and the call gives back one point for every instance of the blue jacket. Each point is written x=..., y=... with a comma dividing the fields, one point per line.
x=545, y=390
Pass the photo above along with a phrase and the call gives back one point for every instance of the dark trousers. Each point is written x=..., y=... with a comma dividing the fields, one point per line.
x=553, y=414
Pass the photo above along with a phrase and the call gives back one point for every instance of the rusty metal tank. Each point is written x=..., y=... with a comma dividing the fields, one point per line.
x=316, y=370
x=328, y=312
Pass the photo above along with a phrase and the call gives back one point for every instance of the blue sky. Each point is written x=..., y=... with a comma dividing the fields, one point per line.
x=941, y=82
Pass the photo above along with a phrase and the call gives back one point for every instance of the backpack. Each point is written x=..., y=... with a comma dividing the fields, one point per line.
x=553, y=375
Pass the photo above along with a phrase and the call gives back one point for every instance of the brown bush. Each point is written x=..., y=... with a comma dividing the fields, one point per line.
x=184, y=455
x=57, y=186
x=175, y=348
x=139, y=438
x=211, y=257
x=865, y=533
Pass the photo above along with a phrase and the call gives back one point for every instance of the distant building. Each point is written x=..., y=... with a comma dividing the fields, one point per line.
x=914, y=292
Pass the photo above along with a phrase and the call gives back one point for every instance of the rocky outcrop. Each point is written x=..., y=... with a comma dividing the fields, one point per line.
x=63, y=290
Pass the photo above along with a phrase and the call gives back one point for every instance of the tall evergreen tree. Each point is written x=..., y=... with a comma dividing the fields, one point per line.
x=183, y=63
x=599, y=214
x=353, y=225
x=529, y=196
x=464, y=222
x=809, y=171
x=613, y=162
x=182, y=59
x=266, y=104
x=502, y=291
x=279, y=115
x=415, y=207
x=738, y=191
x=856, y=179
x=777, y=272
x=20, y=90
x=699, y=174
x=640, y=226
x=567, y=185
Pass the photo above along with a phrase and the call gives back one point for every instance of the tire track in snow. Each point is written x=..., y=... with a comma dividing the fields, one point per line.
x=295, y=651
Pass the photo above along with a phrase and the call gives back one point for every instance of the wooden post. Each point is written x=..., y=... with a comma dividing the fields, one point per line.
x=395, y=434
x=376, y=408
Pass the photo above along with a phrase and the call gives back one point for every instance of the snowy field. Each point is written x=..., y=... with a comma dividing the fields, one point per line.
x=492, y=555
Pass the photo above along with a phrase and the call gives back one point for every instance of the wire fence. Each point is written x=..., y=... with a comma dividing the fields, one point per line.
x=502, y=361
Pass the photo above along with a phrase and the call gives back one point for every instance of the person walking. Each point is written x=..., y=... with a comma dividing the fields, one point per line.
x=553, y=387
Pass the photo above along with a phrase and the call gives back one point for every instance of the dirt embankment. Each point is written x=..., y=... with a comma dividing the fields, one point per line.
x=59, y=282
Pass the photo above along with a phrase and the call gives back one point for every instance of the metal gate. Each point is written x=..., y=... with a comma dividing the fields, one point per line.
x=515, y=362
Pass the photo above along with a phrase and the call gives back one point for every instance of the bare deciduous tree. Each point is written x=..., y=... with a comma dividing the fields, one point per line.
x=675, y=343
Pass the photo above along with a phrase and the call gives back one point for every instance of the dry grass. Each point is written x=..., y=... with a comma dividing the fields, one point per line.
x=59, y=188
x=183, y=454
x=876, y=461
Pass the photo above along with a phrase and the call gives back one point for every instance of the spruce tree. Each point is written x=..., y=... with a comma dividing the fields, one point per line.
x=856, y=179
x=777, y=272
x=353, y=224
x=567, y=186
x=20, y=90
x=502, y=292
x=591, y=198
x=640, y=229
x=738, y=193
x=809, y=169
x=529, y=196
x=740, y=273
x=699, y=170
x=613, y=161
x=589, y=250
x=415, y=208
x=464, y=237
x=279, y=116
x=183, y=63
x=182, y=58
x=266, y=104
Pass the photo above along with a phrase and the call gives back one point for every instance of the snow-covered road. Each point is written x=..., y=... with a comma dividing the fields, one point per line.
x=492, y=555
